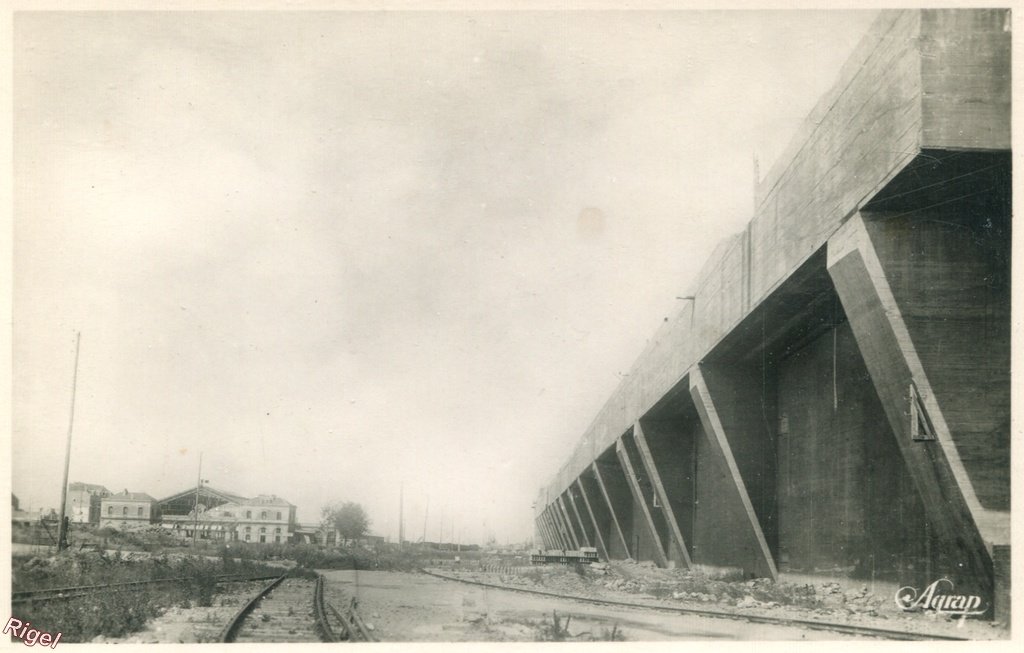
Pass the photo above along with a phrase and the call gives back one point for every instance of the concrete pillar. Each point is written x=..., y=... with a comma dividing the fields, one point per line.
x=563, y=527
x=567, y=519
x=613, y=541
x=561, y=541
x=747, y=546
x=912, y=408
x=1002, y=594
x=556, y=536
x=598, y=538
x=545, y=532
x=548, y=538
x=641, y=500
x=585, y=539
x=681, y=554
x=614, y=507
x=553, y=540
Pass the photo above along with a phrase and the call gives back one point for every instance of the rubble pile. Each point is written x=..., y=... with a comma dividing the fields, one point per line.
x=644, y=580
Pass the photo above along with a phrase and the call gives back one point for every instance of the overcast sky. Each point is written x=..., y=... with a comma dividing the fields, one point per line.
x=339, y=252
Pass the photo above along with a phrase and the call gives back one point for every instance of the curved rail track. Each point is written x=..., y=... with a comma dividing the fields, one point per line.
x=286, y=609
x=64, y=593
x=294, y=610
x=848, y=629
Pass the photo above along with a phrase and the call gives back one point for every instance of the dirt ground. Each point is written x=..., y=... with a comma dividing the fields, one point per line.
x=419, y=608
x=413, y=607
x=824, y=601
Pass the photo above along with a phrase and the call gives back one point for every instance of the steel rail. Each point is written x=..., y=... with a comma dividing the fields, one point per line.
x=231, y=629
x=354, y=626
x=717, y=614
x=320, y=614
x=350, y=629
x=358, y=621
x=60, y=593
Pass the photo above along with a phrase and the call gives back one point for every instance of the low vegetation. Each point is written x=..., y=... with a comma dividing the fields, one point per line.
x=85, y=537
x=343, y=557
x=117, y=612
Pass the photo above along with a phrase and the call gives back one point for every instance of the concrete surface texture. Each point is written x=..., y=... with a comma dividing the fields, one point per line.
x=835, y=398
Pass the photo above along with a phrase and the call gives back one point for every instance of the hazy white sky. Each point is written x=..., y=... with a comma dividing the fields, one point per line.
x=336, y=252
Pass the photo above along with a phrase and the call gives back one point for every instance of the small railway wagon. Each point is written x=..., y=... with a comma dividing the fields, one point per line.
x=585, y=555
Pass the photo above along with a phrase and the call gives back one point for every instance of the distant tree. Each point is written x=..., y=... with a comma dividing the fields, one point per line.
x=348, y=518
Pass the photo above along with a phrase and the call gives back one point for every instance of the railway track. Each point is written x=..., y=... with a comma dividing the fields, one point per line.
x=294, y=610
x=65, y=593
x=849, y=629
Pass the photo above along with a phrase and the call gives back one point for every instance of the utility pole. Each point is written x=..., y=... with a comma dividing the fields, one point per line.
x=401, y=519
x=199, y=484
x=757, y=179
x=426, y=513
x=62, y=528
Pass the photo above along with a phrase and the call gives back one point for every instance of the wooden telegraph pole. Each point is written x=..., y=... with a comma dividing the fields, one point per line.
x=199, y=484
x=62, y=529
x=401, y=516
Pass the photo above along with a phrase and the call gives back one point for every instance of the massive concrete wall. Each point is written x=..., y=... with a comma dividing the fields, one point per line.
x=836, y=395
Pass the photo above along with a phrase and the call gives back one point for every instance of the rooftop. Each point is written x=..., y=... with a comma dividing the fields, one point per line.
x=130, y=496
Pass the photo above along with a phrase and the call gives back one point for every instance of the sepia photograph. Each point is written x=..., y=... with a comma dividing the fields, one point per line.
x=363, y=322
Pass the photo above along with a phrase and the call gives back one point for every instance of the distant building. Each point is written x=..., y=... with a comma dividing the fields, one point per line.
x=330, y=538
x=225, y=516
x=266, y=519
x=310, y=534
x=19, y=516
x=84, y=502
x=127, y=510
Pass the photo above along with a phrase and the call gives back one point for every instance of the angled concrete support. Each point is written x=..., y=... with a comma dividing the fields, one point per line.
x=617, y=527
x=580, y=524
x=598, y=537
x=556, y=536
x=574, y=526
x=544, y=533
x=558, y=539
x=549, y=540
x=917, y=420
x=569, y=525
x=563, y=525
x=659, y=489
x=639, y=499
x=752, y=551
x=561, y=541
